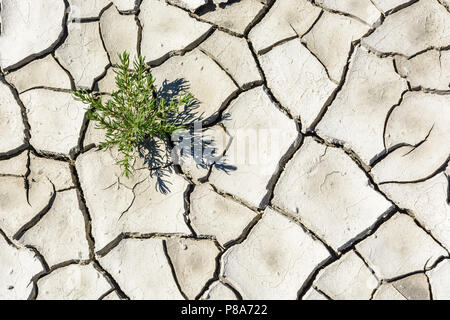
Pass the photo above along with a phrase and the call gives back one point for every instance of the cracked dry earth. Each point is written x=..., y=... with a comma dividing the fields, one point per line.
x=356, y=205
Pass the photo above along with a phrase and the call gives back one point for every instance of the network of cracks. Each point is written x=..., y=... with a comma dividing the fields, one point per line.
x=353, y=203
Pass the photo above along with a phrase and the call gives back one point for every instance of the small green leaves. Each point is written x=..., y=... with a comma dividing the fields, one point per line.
x=134, y=112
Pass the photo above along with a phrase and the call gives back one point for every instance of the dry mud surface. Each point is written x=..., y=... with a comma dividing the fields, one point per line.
x=354, y=204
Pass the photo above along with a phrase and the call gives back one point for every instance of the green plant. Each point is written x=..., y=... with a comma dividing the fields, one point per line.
x=135, y=112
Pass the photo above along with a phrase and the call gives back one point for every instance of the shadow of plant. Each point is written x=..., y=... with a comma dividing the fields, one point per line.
x=173, y=90
x=200, y=147
x=164, y=157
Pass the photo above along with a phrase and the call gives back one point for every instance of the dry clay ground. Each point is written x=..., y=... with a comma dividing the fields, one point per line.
x=354, y=204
